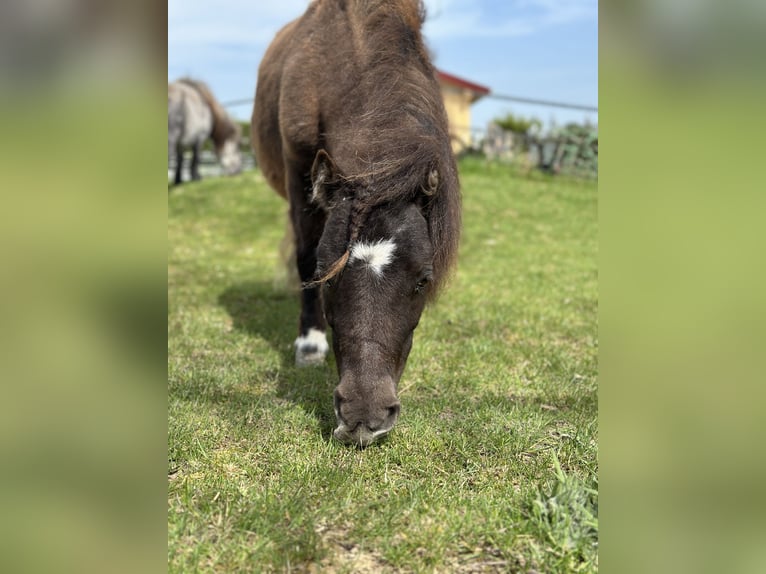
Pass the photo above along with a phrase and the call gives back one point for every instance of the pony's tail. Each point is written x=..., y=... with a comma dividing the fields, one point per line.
x=286, y=277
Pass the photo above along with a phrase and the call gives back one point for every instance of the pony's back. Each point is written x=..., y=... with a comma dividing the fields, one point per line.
x=223, y=127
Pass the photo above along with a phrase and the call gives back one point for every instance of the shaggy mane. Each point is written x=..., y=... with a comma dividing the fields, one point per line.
x=395, y=131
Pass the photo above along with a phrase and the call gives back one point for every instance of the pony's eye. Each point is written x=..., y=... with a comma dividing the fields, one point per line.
x=420, y=286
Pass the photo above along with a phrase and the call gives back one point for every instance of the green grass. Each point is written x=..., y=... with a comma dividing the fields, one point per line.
x=493, y=465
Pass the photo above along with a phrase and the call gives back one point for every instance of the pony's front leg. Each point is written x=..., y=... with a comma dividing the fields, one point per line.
x=308, y=222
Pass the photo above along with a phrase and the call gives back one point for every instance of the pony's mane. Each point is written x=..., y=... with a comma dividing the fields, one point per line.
x=399, y=125
x=223, y=127
x=399, y=131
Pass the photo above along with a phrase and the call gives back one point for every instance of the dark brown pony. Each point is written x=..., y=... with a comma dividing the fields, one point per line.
x=349, y=125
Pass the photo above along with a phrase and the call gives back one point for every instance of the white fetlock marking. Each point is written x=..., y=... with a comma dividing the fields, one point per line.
x=310, y=349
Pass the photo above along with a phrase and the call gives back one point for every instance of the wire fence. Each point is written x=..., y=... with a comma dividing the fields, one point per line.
x=560, y=151
x=490, y=96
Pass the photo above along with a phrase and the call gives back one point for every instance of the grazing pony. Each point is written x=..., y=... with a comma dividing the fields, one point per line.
x=195, y=115
x=349, y=126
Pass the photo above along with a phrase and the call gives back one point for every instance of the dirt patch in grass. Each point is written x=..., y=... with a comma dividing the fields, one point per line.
x=346, y=556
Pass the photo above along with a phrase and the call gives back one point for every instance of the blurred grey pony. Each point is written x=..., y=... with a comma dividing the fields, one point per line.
x=195, y=115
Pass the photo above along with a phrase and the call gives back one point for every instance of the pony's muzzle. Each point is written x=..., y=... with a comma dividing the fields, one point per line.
x=362, y=433
x=362, y=436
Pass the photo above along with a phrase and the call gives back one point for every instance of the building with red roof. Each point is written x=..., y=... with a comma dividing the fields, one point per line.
x=458, y=95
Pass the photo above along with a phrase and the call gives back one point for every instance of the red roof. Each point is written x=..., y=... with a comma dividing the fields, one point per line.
x=477, y=89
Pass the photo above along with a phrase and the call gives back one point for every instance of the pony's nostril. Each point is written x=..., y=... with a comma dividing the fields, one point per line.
x=387, y=420
x=393, y=411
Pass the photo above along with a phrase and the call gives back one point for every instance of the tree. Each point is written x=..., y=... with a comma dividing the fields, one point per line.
x=518, y=125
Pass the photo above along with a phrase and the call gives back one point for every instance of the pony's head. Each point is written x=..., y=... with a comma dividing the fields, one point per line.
x=376, y=267
x=228, y=151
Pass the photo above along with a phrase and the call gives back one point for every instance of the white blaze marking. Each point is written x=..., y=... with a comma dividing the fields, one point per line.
x=375, y=255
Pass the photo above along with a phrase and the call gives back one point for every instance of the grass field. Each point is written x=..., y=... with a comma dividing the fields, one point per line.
x=493, y=464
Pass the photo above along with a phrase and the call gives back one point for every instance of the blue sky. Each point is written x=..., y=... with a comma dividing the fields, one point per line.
x=546, y=49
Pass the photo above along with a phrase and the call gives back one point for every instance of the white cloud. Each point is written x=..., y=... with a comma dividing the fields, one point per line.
x=479, y=18
x=254, y=22
x=203, y=29
x=224, y=40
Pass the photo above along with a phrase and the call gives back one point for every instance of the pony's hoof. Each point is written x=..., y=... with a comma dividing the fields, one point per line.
x=311, y=349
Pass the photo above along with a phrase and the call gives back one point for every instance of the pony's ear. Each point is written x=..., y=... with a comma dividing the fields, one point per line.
x=432, y=182
x=324, y=177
